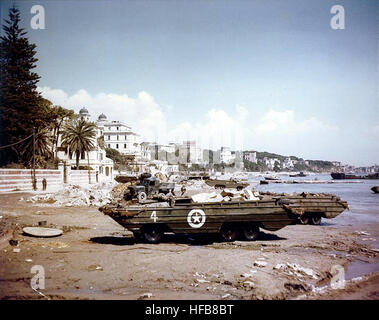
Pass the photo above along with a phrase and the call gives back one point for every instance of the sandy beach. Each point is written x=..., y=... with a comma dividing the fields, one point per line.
x=96, y=258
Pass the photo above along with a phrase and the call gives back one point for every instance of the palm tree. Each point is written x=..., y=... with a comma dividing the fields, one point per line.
x=79, y=136
x=42, y=145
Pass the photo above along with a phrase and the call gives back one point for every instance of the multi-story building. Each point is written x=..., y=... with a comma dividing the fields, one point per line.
x=189, y=152
x=96, y=157
x=288, y=163
x=119, y=136
x=250, y=156
x=226, y=156
x=270, y=162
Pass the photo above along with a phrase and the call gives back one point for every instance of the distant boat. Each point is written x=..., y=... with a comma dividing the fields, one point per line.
x=375, y=189
x=341, y=176
x=301, y=174
x=373, y=176
x=271, y=178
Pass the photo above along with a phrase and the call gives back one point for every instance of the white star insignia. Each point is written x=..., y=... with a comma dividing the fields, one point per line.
x=196, y=218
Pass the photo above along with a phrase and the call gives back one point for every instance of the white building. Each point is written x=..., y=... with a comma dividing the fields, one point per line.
x=170, y=148
x=250, y=156
x=119, y=136
x=189, y=152
x=270, y=162
x=102, y=165
x=226, y=155
x=288, y=163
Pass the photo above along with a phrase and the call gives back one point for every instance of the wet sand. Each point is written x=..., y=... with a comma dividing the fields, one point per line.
x=96, y=258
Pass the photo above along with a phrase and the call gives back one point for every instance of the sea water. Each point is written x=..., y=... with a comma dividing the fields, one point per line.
x=363, y=216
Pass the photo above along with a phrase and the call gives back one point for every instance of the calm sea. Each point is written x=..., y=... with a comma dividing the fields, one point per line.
x=362, y=216
x=363, y=203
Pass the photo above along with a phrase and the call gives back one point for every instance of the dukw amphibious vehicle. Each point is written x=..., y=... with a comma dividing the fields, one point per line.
x=230, y=219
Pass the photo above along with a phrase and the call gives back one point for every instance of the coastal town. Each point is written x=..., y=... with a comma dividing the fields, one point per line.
x=117, y=148
x=94, y=206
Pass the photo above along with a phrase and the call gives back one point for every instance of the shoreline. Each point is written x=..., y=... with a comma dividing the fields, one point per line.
x=93, y=247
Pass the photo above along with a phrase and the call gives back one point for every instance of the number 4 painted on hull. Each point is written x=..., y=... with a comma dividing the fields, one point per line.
x=154, y=216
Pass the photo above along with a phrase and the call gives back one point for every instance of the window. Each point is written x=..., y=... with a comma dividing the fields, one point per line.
x=109, y=145
x=124, y=145
x=125, y=137
x=117, y=128
x=116, y=145
x=109, y=137
x=117, y=137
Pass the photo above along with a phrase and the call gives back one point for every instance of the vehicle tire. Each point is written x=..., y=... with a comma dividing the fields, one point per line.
x=304, y=219
x=250, y=232
x=152, y=234
x=142, y=196
x=239, y=188
x=137, y=236
x=229, y=232
x=315, y=219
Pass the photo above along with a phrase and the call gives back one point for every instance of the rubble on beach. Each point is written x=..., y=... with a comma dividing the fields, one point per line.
x=74, y=196
x=226, y=195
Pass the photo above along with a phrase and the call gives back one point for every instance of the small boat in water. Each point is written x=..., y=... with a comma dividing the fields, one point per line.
x=375, y=189
x=341, y=176
x=271, y=178
x=301, y=174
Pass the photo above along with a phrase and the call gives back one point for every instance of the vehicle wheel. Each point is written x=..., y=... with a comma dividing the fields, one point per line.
x=152, y=234
x=142, y=196
x=239, y=188
x=315, y=219
x=229, y=232
x=250, y=232
x=304, y=219
x=137, y=236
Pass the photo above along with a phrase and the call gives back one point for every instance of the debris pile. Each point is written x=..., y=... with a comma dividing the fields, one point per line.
x=295, y=269
x=74, y=195
x=226, y=195
x=119, y=190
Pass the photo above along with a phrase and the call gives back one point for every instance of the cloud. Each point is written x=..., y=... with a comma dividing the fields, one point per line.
x=142, y=113
x=282, y=132
x=277, y=131
x=216, y=129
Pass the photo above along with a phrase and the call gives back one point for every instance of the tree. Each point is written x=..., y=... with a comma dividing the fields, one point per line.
x=59, y=115
x=42, y=146
x=79, y=136
x=121, y=161
x=19, y=98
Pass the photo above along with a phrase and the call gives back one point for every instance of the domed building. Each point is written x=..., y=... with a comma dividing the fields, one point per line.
x=102, y=167
x=84, y=114
x=102, y=117
x=119, y=136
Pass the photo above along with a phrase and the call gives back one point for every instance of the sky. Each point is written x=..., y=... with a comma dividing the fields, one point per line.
x=265, y=75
